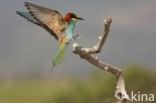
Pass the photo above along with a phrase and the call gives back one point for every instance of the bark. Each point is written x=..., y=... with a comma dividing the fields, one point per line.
x=87, y=54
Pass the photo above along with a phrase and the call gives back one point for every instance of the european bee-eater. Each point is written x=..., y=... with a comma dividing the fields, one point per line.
x=62, y=28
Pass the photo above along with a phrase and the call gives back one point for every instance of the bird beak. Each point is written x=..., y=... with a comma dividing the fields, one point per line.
x=78, y=18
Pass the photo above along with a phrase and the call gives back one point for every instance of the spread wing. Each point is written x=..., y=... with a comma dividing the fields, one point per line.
x=28, y=16
x=51, y=20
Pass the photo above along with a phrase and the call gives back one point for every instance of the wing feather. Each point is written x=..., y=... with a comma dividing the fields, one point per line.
x=28, y=16
x=51, y=20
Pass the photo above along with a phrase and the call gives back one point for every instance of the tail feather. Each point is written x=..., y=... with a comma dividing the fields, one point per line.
x=60, y=55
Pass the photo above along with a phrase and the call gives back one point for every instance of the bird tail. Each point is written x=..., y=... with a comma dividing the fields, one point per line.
x=60, y=55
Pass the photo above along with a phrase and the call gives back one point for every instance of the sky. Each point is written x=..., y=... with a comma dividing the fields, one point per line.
x=26, y=49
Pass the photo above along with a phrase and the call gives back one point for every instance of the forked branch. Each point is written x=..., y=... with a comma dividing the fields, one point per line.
x=86, y=53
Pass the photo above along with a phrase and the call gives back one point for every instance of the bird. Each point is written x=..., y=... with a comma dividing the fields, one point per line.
x=60, y=27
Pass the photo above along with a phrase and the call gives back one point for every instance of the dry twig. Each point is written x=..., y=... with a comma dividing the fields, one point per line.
x=86, y=53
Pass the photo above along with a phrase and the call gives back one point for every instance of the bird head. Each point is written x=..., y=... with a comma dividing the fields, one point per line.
x=71, y=16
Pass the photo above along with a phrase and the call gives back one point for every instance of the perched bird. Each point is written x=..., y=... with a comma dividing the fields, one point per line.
x=62, y=28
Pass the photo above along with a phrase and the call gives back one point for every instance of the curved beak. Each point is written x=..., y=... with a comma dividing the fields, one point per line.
x=79, y=18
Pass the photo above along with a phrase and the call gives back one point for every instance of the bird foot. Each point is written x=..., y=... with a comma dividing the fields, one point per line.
x=75, y=36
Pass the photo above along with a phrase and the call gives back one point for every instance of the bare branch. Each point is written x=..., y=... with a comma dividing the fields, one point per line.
x=86, y=53
x=97, y=48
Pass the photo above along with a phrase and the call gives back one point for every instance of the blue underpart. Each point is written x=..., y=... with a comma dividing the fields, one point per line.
x=70, y=30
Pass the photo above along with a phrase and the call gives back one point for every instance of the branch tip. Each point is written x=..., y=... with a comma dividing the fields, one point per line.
x=108, y=20
x=75, y=45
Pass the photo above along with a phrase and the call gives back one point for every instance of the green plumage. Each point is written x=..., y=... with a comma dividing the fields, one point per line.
x=63, y=46
x=60, y=55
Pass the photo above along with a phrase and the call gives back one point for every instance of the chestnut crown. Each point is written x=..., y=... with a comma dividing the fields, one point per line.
x=69, y=16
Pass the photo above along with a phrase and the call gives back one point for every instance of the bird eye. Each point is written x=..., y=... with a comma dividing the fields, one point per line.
x=73, y=16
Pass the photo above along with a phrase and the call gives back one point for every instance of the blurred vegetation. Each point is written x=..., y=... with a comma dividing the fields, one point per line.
x=98, y=87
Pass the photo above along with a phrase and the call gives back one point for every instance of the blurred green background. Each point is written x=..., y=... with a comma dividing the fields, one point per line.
x=97, y=87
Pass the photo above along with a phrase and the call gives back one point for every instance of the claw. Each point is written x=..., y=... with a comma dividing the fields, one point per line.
x=75, y=36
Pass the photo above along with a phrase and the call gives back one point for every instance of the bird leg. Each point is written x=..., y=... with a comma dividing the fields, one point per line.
x=76, y=36
x=102, y=38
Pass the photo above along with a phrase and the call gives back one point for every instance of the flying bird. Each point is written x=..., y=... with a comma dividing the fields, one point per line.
x=60, y=27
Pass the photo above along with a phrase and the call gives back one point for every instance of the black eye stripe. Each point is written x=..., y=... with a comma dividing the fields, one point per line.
x=73, y=16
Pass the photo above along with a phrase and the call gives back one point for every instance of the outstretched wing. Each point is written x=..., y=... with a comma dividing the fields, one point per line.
x=28, y=16
x=51, y=20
